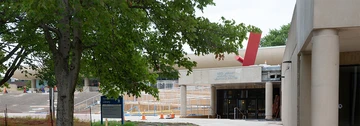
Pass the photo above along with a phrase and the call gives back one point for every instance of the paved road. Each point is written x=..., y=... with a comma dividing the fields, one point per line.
x=201, y=122
x=19, y=102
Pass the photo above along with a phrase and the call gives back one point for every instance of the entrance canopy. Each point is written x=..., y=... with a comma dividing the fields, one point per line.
x=225, y=75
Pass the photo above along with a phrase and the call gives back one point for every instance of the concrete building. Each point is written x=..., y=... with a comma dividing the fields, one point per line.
x=321, y=64
x=237, y=92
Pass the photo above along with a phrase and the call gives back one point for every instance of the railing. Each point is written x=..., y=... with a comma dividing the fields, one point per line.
x=91, y=100
x=243, y=115
x=210, y=109
x=217, y=115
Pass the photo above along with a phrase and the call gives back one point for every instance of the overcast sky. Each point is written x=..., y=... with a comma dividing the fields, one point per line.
x=265, y=14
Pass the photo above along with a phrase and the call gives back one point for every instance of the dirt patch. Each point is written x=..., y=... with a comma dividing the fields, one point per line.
x=163, y=124
x=27, y=121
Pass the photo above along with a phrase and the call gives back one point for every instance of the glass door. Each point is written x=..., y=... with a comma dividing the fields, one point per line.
x=232, y=104
x=251, y=109
x=349, y=96
x=261, y=108
x=247, y=108
x=241, y=113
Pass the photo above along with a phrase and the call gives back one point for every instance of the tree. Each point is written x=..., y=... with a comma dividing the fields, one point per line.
x=276, y=37
x=125, y=43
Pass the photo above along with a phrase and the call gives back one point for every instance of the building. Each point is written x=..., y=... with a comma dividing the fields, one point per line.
x=321, y=65
x=237, y=91
x=249, y=90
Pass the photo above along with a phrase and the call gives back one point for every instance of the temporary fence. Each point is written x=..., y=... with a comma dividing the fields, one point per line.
x=198, y=103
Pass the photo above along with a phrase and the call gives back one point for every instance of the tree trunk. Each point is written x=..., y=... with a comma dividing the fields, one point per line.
x=65, y=101
x=67, y=55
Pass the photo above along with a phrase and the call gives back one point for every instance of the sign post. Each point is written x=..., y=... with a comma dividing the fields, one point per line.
x=112, y=108
x=51, y=105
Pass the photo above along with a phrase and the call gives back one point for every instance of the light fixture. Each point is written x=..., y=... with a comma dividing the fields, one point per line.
x=287, y=61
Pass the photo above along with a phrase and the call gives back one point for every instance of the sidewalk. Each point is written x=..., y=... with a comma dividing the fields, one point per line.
x=201, y=122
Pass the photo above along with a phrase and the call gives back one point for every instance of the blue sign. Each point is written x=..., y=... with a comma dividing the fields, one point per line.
x=105, y=100
x=112, y=108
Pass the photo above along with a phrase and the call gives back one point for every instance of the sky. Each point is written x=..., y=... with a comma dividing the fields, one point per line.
x=265, y=14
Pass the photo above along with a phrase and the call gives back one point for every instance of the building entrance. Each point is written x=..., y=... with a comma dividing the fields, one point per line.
x=248, y=108
x=242, y=103
x=349, y=96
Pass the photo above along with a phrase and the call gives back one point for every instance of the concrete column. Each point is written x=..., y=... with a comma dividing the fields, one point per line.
x=33, y=85
x=293, y=91
x=213, y=101
x=282, y=113
x=305, y=90
x=285, y=102
x=86, y=85
x=268, y=100
x=183, y=105
x=325, y=78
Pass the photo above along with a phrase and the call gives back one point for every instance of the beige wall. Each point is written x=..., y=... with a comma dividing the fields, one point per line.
x=350, y=58
x=294, y=91
x=272, y=55
x=226, y=75
x=304, y=21
x=304, y=90
x=310, y=15
x=336, y=13
x=290, y=92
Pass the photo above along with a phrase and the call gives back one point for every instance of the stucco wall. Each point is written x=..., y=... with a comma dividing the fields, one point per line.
x=294, y=91
x=291, y=42
x=226, y=75
x=350, y=58
x=304, y=20
x=336, y=13
x=289, y=84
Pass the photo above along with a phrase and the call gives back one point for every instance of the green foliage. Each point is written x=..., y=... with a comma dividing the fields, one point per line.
x=28, y=85
x=2, y=66
x=276, y=37
x=6, y=85
x=124, y=43
x=46, y=71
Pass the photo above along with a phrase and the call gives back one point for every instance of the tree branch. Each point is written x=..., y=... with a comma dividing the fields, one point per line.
x=10, y=54
x=15, y=65
x=90, y=46
x=140, y=7
x=49, y=39
x=56, y=31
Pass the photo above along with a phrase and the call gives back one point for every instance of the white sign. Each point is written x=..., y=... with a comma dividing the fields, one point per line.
x=226, y=76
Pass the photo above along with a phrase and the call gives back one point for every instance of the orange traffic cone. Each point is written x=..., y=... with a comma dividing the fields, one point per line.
x=143, y=117
x=161, y=116
x=5, y=91
x=172, y=115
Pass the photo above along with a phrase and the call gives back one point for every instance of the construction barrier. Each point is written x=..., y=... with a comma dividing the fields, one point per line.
x=143, y=117
x=161, y=116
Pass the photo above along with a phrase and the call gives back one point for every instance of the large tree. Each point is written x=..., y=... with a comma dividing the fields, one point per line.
x=276, y=37
x=124, y=43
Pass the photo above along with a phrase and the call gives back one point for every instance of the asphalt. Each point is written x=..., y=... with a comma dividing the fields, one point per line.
x=19, y=102
x=201, y=122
